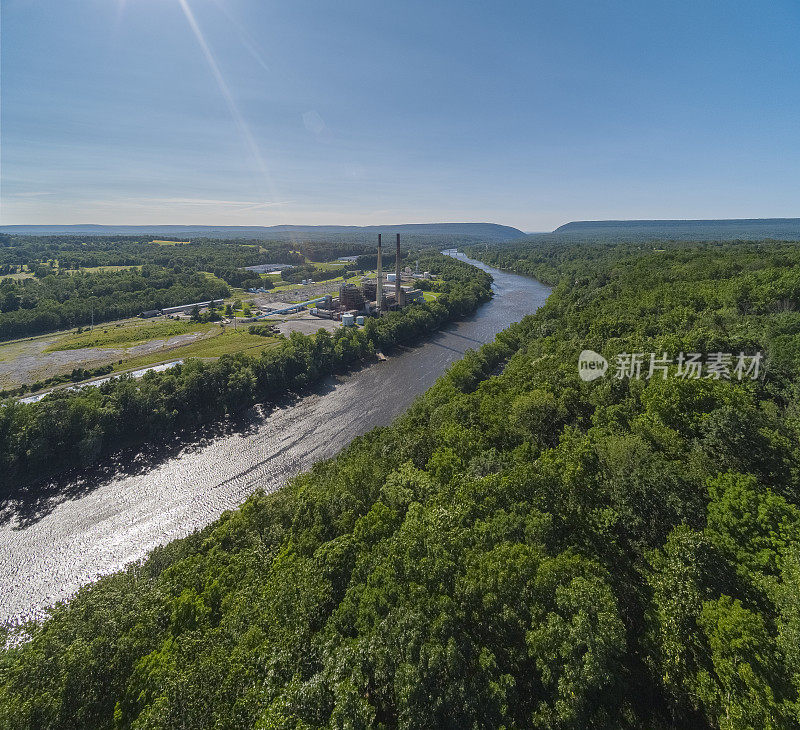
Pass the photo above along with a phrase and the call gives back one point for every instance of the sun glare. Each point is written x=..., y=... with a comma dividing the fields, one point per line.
x=241, y=124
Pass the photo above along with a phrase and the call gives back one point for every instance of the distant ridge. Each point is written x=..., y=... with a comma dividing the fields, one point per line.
x=722, y=222
x=483, y=231
x=723, y=229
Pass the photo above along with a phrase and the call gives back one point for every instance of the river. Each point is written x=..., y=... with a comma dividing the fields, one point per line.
x=97, y=522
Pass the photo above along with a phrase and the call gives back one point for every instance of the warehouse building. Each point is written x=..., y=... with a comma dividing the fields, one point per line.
x=187, y=308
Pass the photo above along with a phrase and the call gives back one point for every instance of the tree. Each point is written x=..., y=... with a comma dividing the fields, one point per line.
x=740, y=692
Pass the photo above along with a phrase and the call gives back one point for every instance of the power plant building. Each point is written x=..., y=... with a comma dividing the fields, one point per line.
x=350, y=297
x=373, y=296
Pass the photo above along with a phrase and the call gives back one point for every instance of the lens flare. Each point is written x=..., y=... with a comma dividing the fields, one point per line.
x=244, y=37
x=241, y=124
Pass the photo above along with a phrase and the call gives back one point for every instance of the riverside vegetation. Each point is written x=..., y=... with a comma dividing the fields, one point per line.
x=74, y=428
x=520, y=549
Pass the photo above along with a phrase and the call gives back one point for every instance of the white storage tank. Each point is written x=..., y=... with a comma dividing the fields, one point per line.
x=360, y=321
x=348, y=320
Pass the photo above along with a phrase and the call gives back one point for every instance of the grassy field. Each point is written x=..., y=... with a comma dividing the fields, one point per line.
x=45, y=356
x=279, y=285
x=127, y=334
x=211, y=276
x=227, y=342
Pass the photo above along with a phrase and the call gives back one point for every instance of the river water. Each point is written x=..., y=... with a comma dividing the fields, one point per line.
x=94, y=523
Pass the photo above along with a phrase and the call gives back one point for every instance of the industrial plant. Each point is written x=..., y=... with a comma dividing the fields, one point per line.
x=354, y=302
x=371, y=298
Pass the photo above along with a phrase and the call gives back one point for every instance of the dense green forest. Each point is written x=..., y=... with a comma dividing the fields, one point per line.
x=77, y=252
x=54, y=301
x=74, y=428
x=521, y=549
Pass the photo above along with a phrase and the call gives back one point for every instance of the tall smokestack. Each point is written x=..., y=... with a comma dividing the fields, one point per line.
x=379, y=287
x=397, y=273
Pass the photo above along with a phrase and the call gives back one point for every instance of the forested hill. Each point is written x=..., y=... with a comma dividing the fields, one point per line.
x=522, y=549
x=695, y=230
x=463, y=231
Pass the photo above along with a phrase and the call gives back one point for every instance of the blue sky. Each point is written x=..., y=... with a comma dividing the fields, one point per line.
x=257, y=112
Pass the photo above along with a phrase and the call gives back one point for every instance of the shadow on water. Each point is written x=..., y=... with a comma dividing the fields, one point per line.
x=478, y=342
x=38, y=499
x=68, y=531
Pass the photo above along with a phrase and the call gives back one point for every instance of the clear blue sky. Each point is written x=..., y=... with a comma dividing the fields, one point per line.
x=528, y=113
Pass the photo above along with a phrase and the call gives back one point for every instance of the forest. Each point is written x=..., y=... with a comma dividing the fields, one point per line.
x=54, y=301
x=67, y=287
x=520, y=549
x=76, y=252
x=75, y=428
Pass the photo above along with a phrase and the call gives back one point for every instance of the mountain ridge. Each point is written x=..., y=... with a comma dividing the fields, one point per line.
x=675, y=223
x=492, y=231
x=721, y=229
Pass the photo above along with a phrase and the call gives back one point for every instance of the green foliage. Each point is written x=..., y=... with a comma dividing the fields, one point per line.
x=519, y=550
x=264, y=330
x=62, y=300
x=74, y=428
